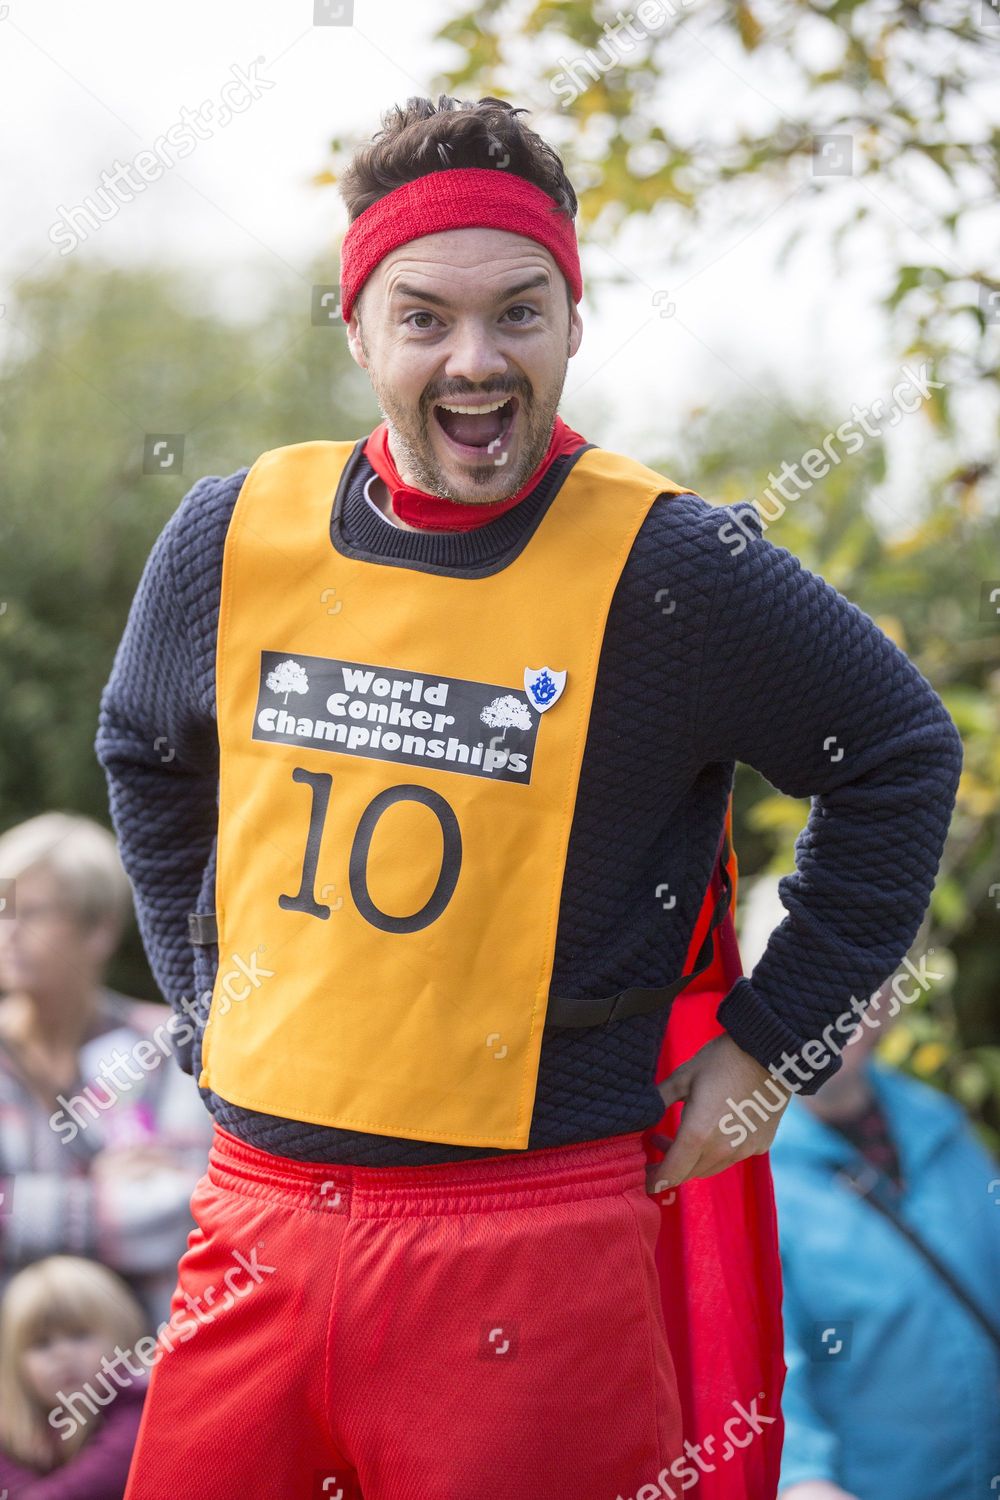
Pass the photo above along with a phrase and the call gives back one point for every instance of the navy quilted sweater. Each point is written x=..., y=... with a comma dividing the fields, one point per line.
x=747, y=656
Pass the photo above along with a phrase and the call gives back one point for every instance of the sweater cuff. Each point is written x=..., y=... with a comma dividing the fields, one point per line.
x=183, y=1026
x=803, y=1064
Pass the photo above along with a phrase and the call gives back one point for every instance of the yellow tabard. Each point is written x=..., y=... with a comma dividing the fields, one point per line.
x=399, y=760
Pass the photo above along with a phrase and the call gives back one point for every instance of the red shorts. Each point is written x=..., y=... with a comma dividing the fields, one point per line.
x=474, y=1330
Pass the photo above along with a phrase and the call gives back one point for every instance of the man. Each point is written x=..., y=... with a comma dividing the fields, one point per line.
x=472, y=690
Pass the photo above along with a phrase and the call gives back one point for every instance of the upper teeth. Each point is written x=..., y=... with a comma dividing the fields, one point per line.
x=474, y=411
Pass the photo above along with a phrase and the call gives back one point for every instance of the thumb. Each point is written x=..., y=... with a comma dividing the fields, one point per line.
x=676, y=1085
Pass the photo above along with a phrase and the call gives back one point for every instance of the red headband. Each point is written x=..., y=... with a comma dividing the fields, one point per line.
x=456, y=198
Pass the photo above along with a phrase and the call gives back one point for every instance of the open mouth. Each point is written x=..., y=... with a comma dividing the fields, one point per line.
x=477, y=432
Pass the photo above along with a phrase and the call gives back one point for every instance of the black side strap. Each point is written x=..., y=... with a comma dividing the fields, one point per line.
x=568, y=1010
x=870, y=1184
x=563, y=1011
x=202, y=927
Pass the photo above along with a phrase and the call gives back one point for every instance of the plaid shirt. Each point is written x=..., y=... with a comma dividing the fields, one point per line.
x=128, y=1091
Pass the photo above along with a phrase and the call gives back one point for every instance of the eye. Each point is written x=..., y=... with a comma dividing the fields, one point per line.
x=419, y=315
x=523, y=307
x=519, y=307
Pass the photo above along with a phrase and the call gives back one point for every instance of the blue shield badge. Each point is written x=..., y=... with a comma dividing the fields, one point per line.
x=543, y=686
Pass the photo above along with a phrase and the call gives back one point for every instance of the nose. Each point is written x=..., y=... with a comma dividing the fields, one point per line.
x=473, y=353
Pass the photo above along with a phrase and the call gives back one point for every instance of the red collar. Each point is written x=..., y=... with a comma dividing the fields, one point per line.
x=417, y=508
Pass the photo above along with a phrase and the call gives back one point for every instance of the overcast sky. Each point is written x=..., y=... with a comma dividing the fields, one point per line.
x=86, y=86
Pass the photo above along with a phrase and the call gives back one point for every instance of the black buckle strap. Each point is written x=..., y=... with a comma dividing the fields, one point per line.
x=202, y=927
x=565, y=1010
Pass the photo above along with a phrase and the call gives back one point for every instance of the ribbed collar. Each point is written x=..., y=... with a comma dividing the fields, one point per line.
x=363, y=530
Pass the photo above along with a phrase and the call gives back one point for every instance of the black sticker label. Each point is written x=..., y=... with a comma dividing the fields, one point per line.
x=383, y=713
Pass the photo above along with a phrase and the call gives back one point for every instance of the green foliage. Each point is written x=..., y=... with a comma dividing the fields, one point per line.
x=894, y=76
x=97, y=358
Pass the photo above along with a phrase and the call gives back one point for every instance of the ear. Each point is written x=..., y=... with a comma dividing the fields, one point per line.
x=354, y=340
x=575, y=330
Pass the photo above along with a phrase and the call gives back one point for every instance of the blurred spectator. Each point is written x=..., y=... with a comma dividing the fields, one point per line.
x=893, y=1383
x=59, y=1319
x=102, y=1136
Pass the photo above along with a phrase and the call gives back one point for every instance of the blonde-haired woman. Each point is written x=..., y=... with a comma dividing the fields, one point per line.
x=67, y=1426
x=104, y=1137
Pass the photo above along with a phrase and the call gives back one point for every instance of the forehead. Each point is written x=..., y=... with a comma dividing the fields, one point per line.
x=466, y=266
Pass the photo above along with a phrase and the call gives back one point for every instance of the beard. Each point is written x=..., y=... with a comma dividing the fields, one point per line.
x=413, y=446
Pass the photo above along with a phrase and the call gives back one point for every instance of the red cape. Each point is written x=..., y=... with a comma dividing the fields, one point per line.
x=720, y=1276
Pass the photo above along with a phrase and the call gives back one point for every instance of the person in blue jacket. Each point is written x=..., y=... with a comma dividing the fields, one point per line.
x=893, y=1385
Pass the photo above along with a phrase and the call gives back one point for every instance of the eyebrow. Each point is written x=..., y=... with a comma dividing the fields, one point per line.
x=403, y=289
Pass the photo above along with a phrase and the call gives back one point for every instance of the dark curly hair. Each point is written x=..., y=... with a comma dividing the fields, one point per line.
x=421, y=137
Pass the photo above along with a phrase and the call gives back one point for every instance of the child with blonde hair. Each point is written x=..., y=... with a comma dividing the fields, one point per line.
x=67, y=1425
